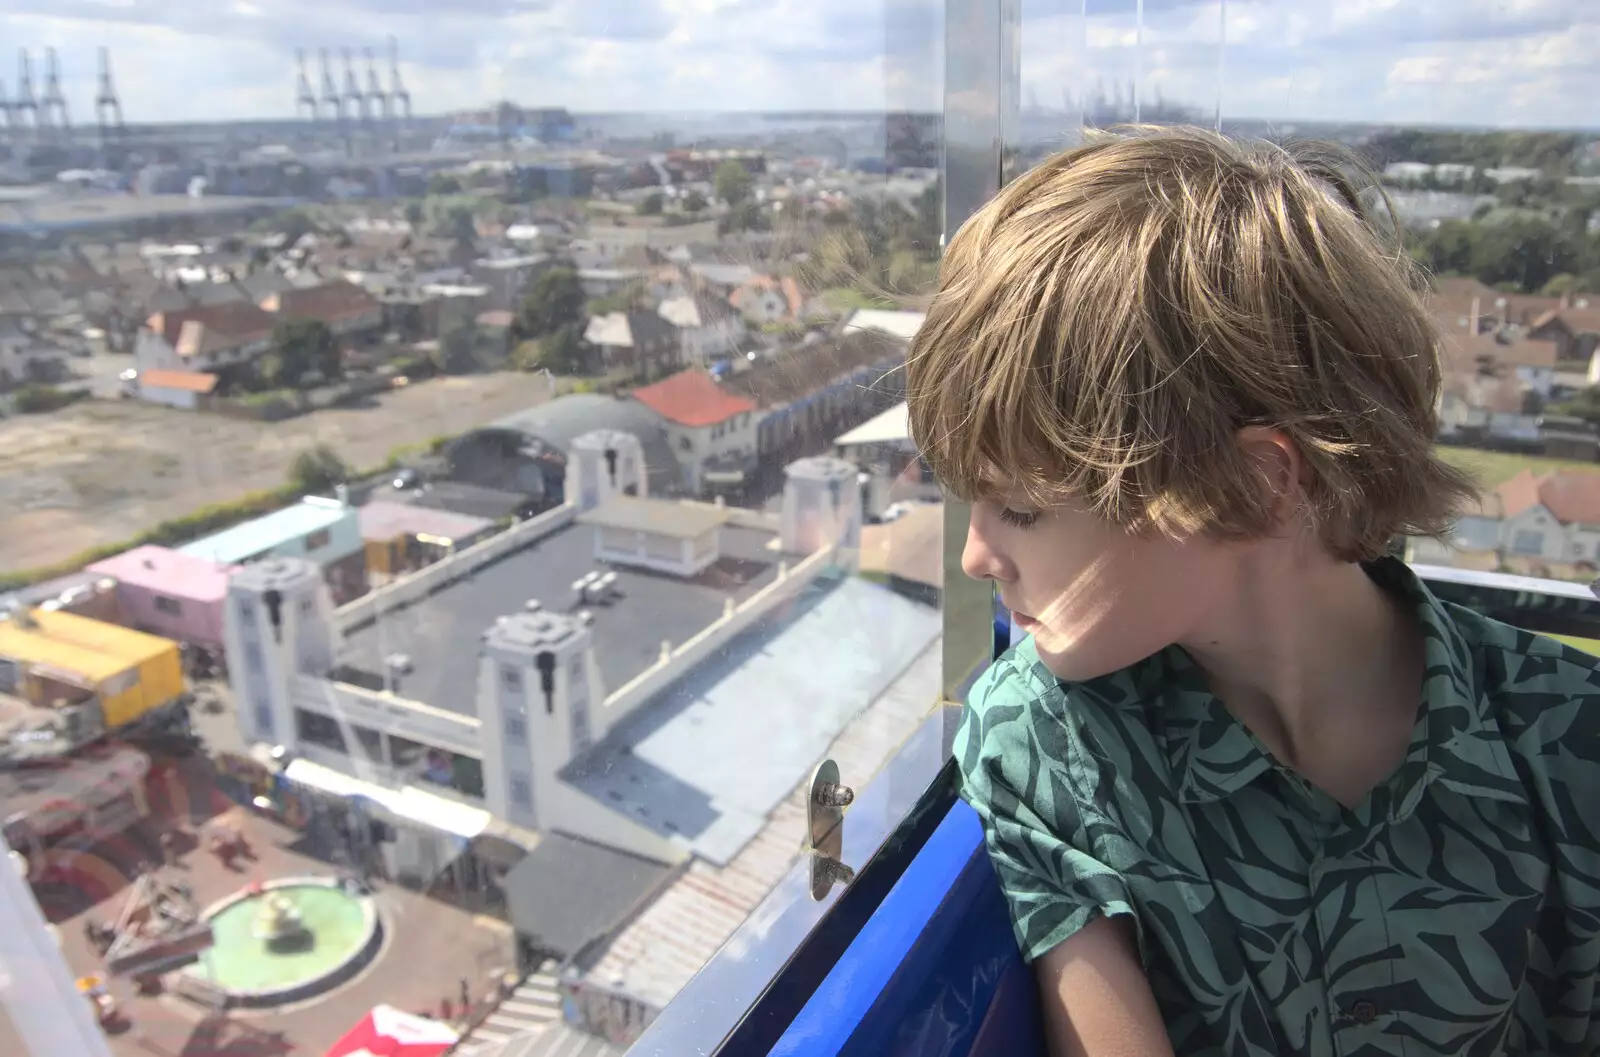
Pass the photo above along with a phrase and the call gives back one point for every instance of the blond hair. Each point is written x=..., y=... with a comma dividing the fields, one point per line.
x=1106, y=325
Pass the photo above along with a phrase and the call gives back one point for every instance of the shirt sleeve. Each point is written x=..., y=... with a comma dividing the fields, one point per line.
x=1016, y=773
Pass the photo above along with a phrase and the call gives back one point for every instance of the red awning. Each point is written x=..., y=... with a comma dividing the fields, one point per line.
x=388, y=1032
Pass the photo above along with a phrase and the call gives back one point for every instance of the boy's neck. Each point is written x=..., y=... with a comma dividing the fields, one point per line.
x=1321, y=664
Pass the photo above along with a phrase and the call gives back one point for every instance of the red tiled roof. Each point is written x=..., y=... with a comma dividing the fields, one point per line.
x=1573, y=497
x=692, y=398
x=188, y=381
x=239, y=321
x=329, y=302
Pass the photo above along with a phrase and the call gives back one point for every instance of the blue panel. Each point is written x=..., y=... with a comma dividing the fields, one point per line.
x=934, y=973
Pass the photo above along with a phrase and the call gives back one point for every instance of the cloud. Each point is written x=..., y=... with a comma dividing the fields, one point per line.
x=1493, y=62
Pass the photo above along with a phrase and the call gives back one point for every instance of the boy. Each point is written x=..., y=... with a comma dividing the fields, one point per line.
x=1248, y=787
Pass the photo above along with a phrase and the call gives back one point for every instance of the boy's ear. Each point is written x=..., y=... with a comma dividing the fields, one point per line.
x=1284, y=474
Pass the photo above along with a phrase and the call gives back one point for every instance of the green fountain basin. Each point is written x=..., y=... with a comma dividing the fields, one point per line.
x=342, y=936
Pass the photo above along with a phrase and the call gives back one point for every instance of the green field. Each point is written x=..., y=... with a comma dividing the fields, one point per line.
x=1586, y=645
x=1494, y=467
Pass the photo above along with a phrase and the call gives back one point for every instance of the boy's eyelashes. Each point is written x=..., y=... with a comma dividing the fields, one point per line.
x=1018, y=518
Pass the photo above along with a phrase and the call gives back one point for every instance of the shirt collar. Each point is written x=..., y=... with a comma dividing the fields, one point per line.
x=1456, y=742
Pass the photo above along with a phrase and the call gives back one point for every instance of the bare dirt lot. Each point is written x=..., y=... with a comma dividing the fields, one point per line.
x=103, y=471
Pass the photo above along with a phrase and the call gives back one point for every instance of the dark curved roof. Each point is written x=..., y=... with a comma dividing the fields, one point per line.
x=560, y=421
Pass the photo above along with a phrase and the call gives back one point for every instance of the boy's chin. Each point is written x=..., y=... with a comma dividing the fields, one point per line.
x=1071, y=665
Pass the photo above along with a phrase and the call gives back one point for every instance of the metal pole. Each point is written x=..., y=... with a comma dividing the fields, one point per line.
x=37, y=988
x=981, y=90
x=1222, y=54
x=1138, y=60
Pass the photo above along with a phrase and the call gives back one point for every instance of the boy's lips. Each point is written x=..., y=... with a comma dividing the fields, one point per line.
x=1023, y=620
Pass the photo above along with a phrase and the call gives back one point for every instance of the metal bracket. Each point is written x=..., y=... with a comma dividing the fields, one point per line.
x=825, y=804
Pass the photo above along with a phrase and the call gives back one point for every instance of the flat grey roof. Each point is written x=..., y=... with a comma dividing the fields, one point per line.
x=569, y=891
x=442, y=633
x=662, y=517
x=709, y=757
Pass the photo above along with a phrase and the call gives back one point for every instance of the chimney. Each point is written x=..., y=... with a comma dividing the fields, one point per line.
x=1472, y=320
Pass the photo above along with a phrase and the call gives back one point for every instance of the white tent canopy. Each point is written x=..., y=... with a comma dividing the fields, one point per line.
x=891, y=427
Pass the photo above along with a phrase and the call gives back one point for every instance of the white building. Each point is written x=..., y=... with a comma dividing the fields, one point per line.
x=711, y=430
x=537, y=693
x=708, y=327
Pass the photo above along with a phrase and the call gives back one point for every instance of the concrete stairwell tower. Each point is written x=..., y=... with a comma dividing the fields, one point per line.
x=539, y=696
x=279, y=625
x=604, y=463
x=822, y=507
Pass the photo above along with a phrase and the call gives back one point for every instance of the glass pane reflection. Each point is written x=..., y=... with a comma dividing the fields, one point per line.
x=455, y=493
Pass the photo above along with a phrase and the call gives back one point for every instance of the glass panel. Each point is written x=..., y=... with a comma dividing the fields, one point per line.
x=454, y=491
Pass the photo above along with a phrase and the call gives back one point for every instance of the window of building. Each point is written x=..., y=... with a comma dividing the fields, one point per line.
x=1527, y=541
x=264, y=719
x=316, y=729
x=306, y=606
x=511, y=679
x=516, y=728
x=253, y=660
x=319, y=539
x=169, y=606
x=521, y=791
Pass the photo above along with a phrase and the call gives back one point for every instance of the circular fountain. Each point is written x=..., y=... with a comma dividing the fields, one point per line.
x=288, y=940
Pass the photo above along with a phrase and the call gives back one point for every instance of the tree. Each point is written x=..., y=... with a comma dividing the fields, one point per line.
x=458, y=224
x=564, y=351
x=318, y=469
x=303, y=350
x=415, y=214
x=747, y=216
x=458, y=348
x=694, y=202
x=630, y=296
x=650, y=205
x=443, y=184
x=732, y=182
x=554, y=300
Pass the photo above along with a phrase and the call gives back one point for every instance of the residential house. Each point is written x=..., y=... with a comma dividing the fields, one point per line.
x=184, y=390
x=1479, y=408
x=708, y=327
x=507, y=278
x=765, y=300
x=613, y=240
x=711, y=430
x=636, y=340
x=1573, y=328
x=27, y=355
x=603, y=282
x=812, y=393
x=721, y=278
x=203, y=339
x=349, y=311
x=1494, y=387
x=166, y=592
x=325, y=531
x=1549, y=517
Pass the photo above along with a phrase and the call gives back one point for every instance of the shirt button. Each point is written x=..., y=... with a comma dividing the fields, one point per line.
x=1364, y=1012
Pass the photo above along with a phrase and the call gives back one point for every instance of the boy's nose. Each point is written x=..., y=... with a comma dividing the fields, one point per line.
x=981, y=561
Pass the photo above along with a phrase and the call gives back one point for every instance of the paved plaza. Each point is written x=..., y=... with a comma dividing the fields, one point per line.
x=429, y=946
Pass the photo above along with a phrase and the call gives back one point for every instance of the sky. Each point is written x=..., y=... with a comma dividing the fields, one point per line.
x=1480, y=62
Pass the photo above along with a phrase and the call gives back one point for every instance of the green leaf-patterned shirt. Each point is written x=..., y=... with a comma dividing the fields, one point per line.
x=1456, y=910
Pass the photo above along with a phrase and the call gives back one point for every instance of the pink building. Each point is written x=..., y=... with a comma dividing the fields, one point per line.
x=169, y=593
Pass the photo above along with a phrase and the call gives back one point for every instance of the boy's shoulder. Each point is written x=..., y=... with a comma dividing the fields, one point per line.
x=1019, y=717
